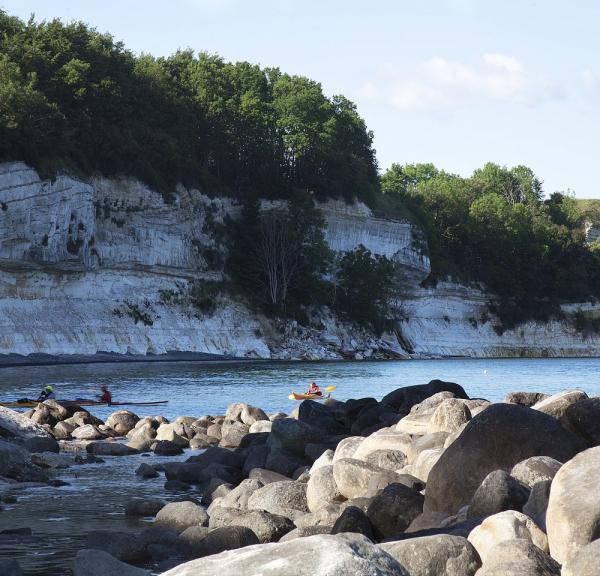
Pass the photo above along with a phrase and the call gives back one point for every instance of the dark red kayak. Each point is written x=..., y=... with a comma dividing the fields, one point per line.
x=82, y=402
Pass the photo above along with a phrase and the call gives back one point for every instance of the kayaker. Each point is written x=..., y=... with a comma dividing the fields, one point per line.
x=105, y=396
x=46, y=394
x=314, y=389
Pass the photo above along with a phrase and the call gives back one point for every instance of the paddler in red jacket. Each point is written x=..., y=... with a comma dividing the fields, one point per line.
x=314, y=389
x=106, y=396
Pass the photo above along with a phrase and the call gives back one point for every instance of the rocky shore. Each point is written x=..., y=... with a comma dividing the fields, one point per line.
x=425, y=482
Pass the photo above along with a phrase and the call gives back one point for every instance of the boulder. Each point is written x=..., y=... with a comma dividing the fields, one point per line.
x=123, y=546
x=286, y=498
x=403, y=399
x=347, y=447
x=506, y=526
x=440, y=555
x=354, y=477
x=144, y=507
x=142, y=436
x=387, y=459
x=319, y=416
x=282, y=461
x=382, y=441
x=251, y=415
x=41, y=444
x=167, y=448
x=88, y=432
x=583, y=417
x=353, y=519
x=98, y=563
x=495, y=439
x=232, y=433
x=224, y=538
x=214, y=430
x=535, y=469
x=450, y=415
x=499, y=491
x=426, y=521
x=110, y=449
x=573, y=513
x=181, y=515
x=122, y=421
x=325, y=555
x=424, y=463
x=238, y=497
x=161, y=544
x=537, y=503
x=526, y=399
x=304, y=532
x=518, y=558
x=261, y=426
x=218, y=455
x=584, y=562
x=292, y=435
x=267, y=527
x=62, y=430
x=256, y=457
x=392, y=511
x=558, y=404
x=418, y=444
x=322, y=489
x=267, y=476
x=201, y=441
x=15, y=463
x=372, y=418
x=146, y=471
x=325, y=459
x=277, y=416
x=192, y=537
x=420, y=418
x=17, y=426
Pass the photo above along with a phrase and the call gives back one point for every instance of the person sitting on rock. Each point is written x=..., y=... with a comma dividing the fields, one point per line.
x=106, y=396
x=46, y=394
x=314, y=389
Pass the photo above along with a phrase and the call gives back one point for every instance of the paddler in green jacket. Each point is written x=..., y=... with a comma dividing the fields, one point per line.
x=46, y=394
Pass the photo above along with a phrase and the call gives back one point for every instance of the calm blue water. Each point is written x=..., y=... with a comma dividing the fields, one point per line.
x=207, y=388
x=95, y=499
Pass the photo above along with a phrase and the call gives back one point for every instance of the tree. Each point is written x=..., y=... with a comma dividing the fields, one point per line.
x=365, y=288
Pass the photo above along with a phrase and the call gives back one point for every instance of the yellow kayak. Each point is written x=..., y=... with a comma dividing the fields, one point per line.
x=296, y=396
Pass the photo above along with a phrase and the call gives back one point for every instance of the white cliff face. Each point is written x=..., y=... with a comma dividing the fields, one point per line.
x=107, y=265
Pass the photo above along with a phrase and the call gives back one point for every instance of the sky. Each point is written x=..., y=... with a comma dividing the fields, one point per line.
x=454, y=82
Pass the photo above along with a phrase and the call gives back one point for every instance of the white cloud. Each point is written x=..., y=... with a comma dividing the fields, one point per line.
x=368, y=91
x=590, y=80
x=445, y=85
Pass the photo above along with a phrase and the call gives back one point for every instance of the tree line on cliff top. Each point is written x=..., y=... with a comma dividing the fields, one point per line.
x=73, y=98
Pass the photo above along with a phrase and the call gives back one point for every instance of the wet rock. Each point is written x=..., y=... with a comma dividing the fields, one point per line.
x=110, y=449
x=286, y=498
x=41, y=444
x=499, y=491
x=440, y=555
x=10, y=567
x=177, y=486
x=122, y=545
x=325, y=555
x=192, y=537
x=146, y=471
x=144, y=507
x=99, y=563
x=476, y=452
x=52, y=460
x=218, y=455
x=167, y=448
x=573, y=514
x=15, y=463
x=201, y=441
x=392, y=511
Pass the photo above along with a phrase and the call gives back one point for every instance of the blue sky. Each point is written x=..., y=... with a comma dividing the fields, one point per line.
x=453, y=82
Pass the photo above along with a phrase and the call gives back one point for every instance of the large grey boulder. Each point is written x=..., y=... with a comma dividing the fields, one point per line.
x=322, y=489
x=181, y=515
x=585, y=562
x=238, y=497
x=403, y=399
x=348, y=447
x=496, y=439
x=88, y=432
x=98, y=563
x=558, y=405
x=392, y=511
x=122, y=421
x=267, y=476
x=232, y=433
x=41, y=444
x=224, y=538
x=526, y=399
x=356, y=478
x=353, y=519
x=440, y=555
x=319, y=416
x=110, y=449
x=267, y=527
x=382, y=440
x=499, y=491
x=286, y=498
x=518, y=558
x=325, y=555
x=387, y=459
x=15, y=425
x=537, y=503
x=15, y=463
x=573, y=514
x=292, y=435
x=583, y=417
x=535, y=469
x=122, y=545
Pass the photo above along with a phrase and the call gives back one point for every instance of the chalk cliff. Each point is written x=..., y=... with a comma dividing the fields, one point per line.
x=107, y=265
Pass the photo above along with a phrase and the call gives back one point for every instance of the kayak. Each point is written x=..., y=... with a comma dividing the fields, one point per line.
x=82, y=402
x=296, y=396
